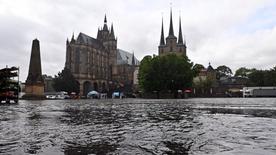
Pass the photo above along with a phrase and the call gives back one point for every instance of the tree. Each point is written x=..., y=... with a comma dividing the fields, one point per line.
x=244, y=72
x=256, y=78
x=143, y=70
x=197, y=68
x=262, y=77
x=223, y=71
x=170, y=72
x=272, y=76
x=65, y=81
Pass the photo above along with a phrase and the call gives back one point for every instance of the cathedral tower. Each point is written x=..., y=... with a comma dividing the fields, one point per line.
x=162, y=45
x=171, y=46
x=181, y=46
x=96, y=63
x=109, y=41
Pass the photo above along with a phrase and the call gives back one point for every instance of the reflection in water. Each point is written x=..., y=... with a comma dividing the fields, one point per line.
x=193, y=126
x=96, y=148
x=270, y=113
x=178, y=148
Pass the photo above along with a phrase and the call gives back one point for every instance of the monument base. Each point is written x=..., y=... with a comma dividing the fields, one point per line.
x=33, y=97
x=34, y=92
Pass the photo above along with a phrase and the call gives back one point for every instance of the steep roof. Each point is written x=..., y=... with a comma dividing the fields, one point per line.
x=85, y=39
x=171, y=33
x=180, y=39
x=162, y=40
x=210, y=68
x=124, y=57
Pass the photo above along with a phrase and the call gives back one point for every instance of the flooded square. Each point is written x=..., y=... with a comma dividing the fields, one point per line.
x=139, y=126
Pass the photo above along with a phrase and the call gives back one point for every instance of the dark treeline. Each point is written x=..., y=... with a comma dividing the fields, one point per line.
x=172, y=72
x=258, y=77
x=65, y=81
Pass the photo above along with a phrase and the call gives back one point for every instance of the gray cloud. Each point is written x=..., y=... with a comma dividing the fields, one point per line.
x=218, y=31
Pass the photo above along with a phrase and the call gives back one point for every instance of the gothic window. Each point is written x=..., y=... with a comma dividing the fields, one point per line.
x=77, y=61
x=83, y=61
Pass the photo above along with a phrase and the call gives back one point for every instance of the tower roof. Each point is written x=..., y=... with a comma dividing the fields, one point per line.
x=73, y=38
x=112, y=36
x=124, y=57
x=105, y=24
x=85, y=39
x=98, y=34
x=105, y=21
x=162, y=40
x=171, y=33
x=133, y=59
x=180, y=38
x=210, y=68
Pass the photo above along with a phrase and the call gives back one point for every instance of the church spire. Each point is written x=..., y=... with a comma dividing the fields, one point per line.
x=180, y=38
x=98, y=33
x=105, y=21
x=105, y=24
x=133, y=59
x=162, y=41
x=171, y=25
x=73, y=38
x=112, y=36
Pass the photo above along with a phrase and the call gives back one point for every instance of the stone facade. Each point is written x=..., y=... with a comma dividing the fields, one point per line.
x=34, y=90
x=172, y=45
x=48, y=83
x=97, y=63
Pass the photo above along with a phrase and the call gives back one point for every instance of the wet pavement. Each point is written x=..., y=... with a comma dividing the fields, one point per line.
x=137, y=126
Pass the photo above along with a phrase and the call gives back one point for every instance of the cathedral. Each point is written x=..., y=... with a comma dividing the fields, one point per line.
x=172, y=45
x=97, y=63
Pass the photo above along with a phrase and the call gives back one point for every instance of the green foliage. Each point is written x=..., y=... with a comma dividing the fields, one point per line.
x=161, y=73
x=144, y=70
x=65, y=81
x=197, y=68
x=223, y=71
x=258, y=77
x=262, y=77
x=244, y=72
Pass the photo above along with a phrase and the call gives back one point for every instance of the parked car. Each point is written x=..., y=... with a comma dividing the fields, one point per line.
x=93, y=94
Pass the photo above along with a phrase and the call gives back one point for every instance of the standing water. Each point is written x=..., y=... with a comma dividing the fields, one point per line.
x=136, y=126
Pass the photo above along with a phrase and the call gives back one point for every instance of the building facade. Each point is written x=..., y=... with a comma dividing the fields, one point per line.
x=172, y=45
x=96, y=63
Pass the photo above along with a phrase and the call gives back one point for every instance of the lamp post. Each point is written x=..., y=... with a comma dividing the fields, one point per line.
x=172, y=85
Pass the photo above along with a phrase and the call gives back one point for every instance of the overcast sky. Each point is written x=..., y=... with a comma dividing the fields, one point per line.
x=235, y=33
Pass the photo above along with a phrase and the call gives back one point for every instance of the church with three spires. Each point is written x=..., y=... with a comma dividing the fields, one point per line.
x=97, y=64
x=172, y=45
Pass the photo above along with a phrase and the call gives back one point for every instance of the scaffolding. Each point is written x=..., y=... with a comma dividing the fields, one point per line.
x=9, y=84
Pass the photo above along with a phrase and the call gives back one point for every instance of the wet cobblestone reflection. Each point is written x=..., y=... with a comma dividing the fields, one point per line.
x=137, y=126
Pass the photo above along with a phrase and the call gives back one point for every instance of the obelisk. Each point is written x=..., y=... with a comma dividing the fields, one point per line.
x=34, y=88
